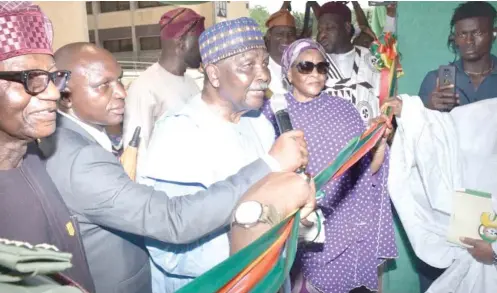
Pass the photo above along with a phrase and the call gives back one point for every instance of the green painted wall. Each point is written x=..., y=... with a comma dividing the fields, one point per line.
x=423, y=28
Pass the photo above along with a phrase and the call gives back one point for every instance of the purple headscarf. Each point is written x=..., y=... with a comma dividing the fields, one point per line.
x=293, y=51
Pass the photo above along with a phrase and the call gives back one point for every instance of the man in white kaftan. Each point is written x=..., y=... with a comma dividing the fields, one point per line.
x=352, y=75
x=155, y=92
x=217, y=133
x=188, y=152
x=432, y=155
x=164, y=87
x=281, y=33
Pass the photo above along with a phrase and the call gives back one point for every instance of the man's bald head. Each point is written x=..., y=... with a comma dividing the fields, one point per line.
x=75, y=55
x=94, y=94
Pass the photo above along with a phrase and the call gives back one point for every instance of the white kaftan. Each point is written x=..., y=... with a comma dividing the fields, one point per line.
x=432, y=155
x=154, y=93
x=188, y=152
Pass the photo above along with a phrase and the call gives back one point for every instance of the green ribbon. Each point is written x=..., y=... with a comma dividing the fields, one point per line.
x=214, y=279
x=217, y=277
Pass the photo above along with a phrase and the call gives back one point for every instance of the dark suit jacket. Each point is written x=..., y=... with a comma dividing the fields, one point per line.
x=115, y=213
x=32, y=210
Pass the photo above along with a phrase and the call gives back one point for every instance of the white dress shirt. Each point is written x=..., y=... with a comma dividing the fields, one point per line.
x=99, y=135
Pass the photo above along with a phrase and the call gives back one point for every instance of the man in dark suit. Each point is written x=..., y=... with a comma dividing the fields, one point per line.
x=115, y=213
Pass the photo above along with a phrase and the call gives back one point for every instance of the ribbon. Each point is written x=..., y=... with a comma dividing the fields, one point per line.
x=263, y=265
x=386, y=60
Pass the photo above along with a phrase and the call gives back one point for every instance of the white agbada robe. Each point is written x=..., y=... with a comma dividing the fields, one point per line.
x=432, y=155
x=188, y=152
x=154, y=93
x=276, y=85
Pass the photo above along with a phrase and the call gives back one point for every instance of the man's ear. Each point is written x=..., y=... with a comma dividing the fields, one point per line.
x=213, y=74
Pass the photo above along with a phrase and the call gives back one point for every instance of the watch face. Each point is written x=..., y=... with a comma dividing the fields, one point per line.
x=248, y=213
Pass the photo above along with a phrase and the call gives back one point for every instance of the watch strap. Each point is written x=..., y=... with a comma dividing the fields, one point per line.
x=270, y=215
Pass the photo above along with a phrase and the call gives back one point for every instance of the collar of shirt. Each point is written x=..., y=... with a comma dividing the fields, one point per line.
x=467, y=92
x=206, y=116
x=459, y=65
x=99, y=135
x=345, y=62
x=343, y=56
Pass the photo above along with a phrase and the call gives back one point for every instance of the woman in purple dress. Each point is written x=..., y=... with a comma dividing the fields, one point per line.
x=358, y=218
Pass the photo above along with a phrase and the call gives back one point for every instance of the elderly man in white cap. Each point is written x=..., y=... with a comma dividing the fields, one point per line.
x=218, y=132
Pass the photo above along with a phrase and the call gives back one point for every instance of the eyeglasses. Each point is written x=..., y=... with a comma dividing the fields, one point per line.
x=306, y=67
x=35, y=81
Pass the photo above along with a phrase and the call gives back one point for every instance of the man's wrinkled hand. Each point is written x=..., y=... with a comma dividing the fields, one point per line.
x=286, y=191
x=290, y=150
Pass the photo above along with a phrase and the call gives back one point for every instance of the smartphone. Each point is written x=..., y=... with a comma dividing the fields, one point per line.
x=380, y=3
x=446, y=77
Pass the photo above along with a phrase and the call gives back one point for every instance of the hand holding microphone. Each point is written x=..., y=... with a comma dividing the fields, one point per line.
x=293, y=143
x=309, y=229
x=290, y=150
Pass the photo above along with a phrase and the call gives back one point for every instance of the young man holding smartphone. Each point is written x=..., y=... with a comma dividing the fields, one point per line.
x=475, y=75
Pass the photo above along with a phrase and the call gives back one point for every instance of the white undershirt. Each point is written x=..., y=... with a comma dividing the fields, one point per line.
x=99, y=135
x=344, y=62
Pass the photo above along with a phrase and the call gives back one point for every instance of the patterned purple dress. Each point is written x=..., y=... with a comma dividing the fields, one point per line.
x=358, y=216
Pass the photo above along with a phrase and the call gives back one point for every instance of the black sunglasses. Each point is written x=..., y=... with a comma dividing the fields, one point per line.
x=306, y=67
x=35, y=81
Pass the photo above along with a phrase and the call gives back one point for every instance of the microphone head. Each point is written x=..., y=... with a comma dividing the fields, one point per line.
x=278, y=103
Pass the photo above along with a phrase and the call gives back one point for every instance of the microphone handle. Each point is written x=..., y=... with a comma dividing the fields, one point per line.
x=285, y=125
x=283, y=121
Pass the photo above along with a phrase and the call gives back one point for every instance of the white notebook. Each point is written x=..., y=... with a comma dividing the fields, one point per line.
x=472, y=216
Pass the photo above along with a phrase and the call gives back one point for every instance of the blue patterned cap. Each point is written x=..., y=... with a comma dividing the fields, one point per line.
x=229, y=38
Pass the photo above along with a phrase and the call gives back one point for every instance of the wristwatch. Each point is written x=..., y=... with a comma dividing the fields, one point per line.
x=250, y=213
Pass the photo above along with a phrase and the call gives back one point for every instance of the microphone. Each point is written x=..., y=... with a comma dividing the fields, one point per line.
x=279, y=107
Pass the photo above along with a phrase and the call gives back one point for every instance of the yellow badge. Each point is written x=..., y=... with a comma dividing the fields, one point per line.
x=70, y=228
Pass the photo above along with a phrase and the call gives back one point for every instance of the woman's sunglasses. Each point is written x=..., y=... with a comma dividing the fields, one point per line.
x=306, y=67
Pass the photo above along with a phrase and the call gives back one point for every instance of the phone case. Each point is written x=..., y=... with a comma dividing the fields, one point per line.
x=447, y=76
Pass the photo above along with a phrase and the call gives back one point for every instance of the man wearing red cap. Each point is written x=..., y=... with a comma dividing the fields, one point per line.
x=352, y=75
x=164, y=87
x=281, y=33
x=31, y=208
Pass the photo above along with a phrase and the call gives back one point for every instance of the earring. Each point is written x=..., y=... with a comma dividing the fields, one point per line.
x=495, y=34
